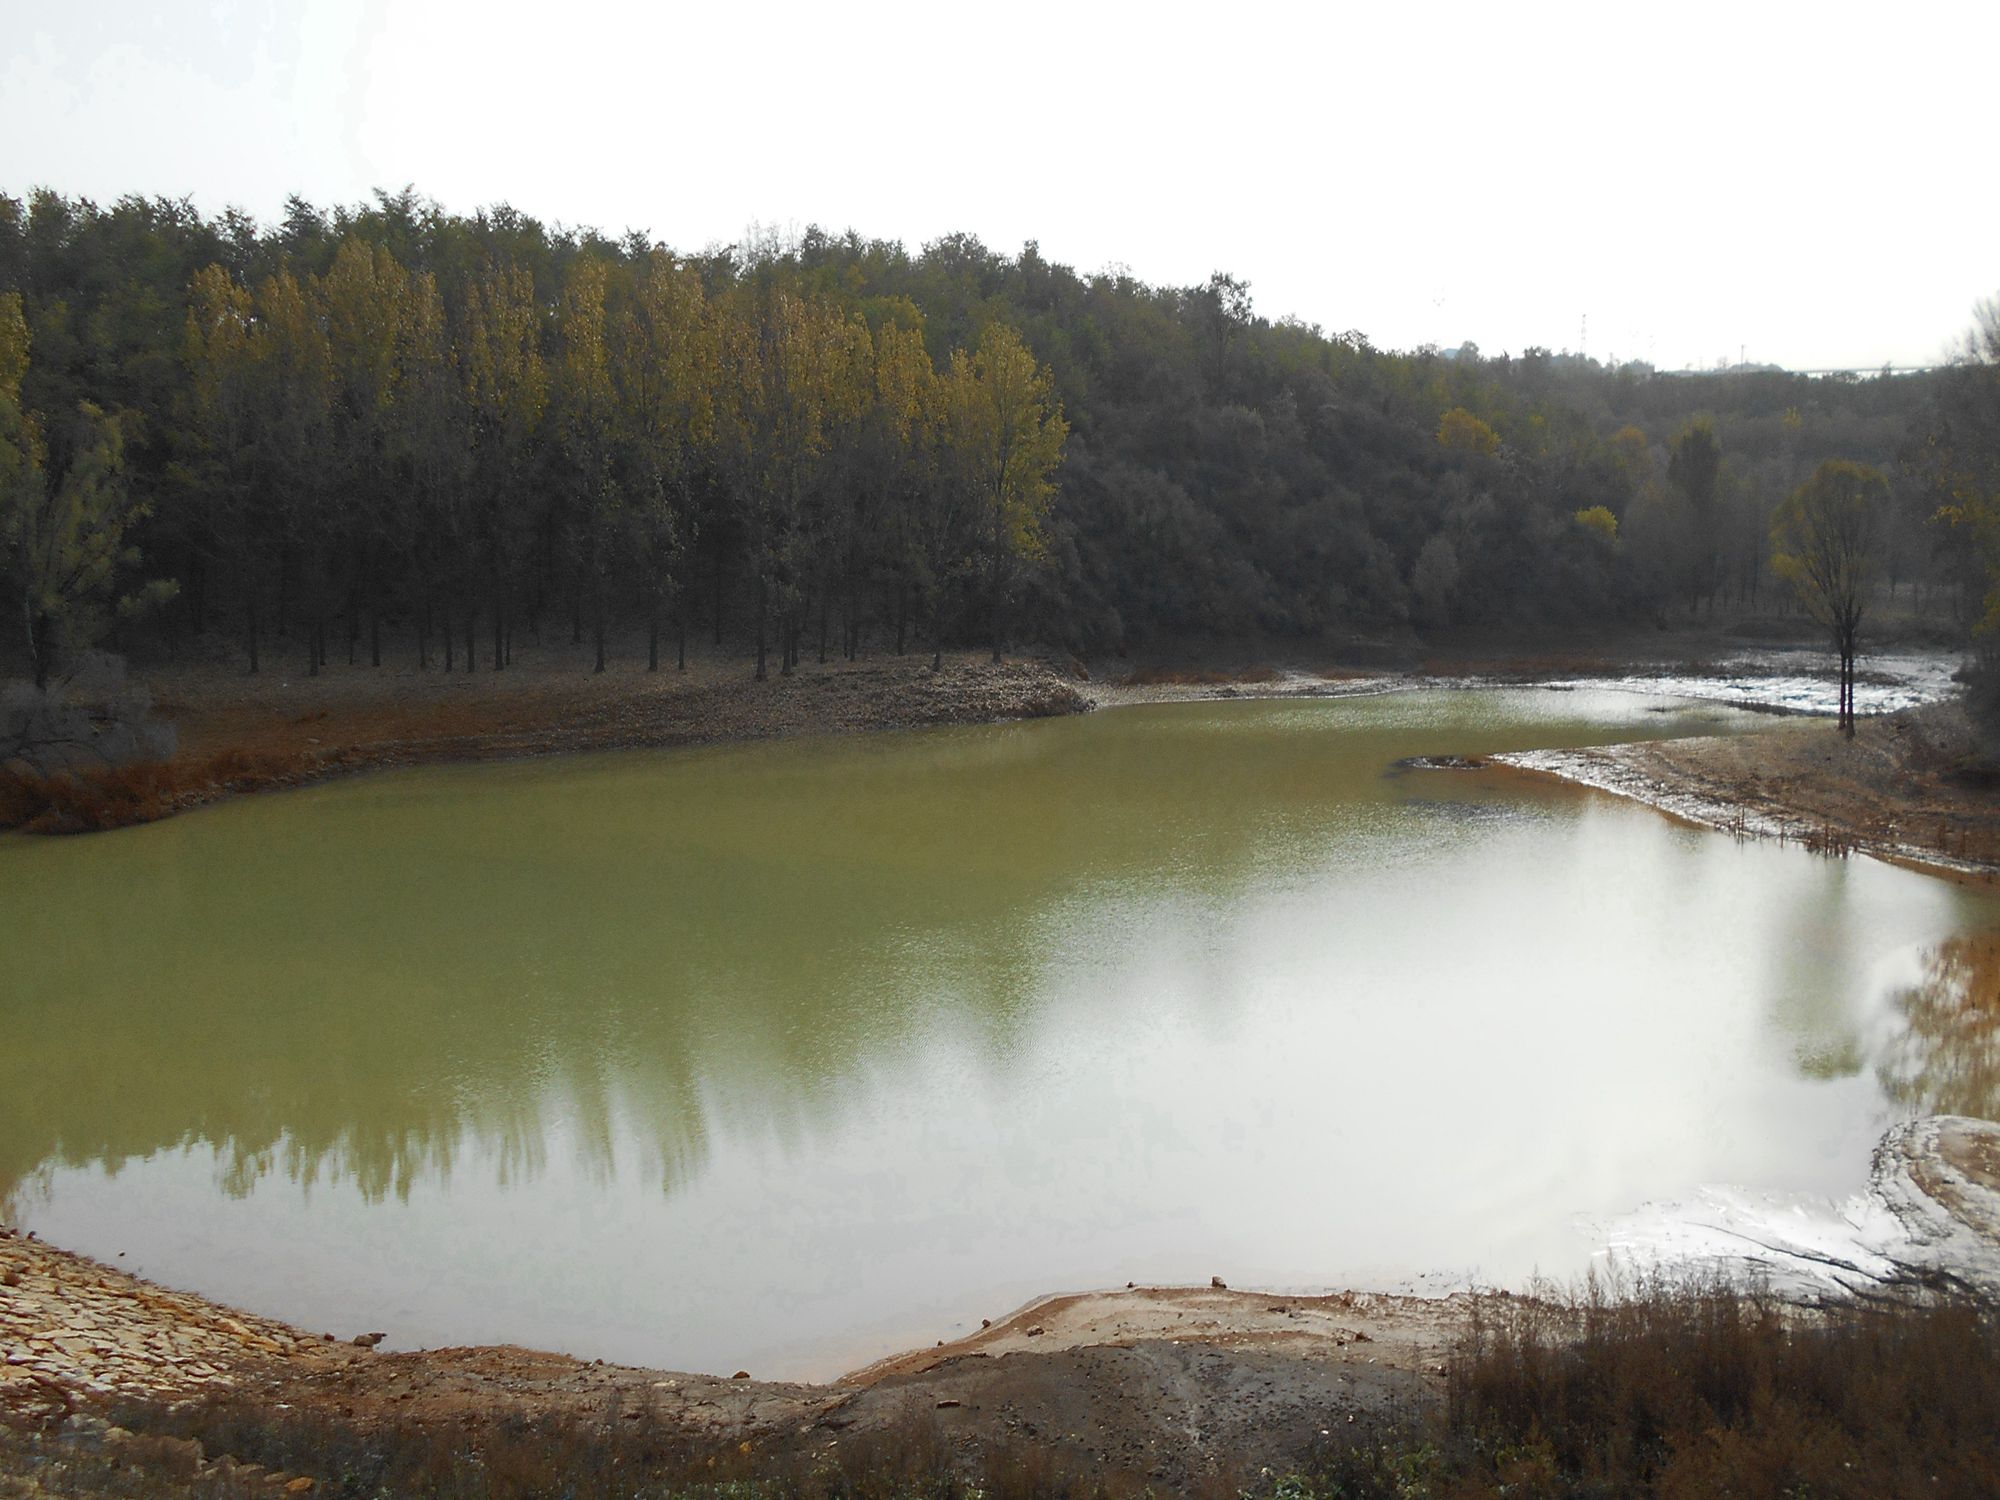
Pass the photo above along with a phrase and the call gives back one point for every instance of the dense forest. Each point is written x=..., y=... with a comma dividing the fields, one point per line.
x=393, y=420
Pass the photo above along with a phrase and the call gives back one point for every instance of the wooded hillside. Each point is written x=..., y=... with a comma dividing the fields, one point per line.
x=453, y=428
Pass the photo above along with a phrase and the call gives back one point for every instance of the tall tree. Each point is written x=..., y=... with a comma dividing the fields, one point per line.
x=507, y=391
x=1825, y=539
x=295, y=386
x=902, y=429
x=220, y=348
x=1694, y=467
x=1006, y=433
x=786, y=374
x=363, y=301
x=1957, y=452
x=667, y=368
x=587, y=404
x=433, y=531
x=63, y=525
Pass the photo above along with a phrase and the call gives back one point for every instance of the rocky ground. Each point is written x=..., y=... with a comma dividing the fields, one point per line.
x=1164, y=1385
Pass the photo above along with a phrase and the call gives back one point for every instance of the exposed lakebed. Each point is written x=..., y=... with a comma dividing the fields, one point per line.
x=784, y=1056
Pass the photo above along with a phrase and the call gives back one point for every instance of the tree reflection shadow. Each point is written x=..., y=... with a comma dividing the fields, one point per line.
x=1946, y=1060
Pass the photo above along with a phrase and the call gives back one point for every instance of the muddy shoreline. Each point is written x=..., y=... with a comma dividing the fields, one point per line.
x=1897, y=791
x=1175, y=1386
x=1892, y=796
x=238, y=735
x=1156, y=1384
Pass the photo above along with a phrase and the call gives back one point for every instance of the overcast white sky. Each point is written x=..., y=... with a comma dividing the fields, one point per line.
x=1809, y=184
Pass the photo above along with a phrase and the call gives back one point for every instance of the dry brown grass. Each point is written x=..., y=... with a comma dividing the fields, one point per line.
x=620, y=1453
x=99, y=798
x=1685, y=1393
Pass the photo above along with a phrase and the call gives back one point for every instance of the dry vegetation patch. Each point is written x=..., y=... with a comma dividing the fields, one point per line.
x=238, y=734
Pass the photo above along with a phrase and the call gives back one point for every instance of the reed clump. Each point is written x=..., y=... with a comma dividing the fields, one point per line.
x=1684, y=1392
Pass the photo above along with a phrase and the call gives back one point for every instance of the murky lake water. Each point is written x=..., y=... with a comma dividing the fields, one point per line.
x=782, y=1057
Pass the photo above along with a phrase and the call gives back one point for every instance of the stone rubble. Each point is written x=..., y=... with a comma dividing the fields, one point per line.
x=70, y=1328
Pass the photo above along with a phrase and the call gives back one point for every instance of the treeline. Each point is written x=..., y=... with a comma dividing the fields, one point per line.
x=339, y=433
x=462, y=427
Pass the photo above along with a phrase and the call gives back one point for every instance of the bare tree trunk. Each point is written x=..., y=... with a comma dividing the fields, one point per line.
x=762, y=602
x=197, y=595
x=471, y=640
x=999, y=591
x=250, y=619
x=681, y=630
x=653, y=636
x=41, y=647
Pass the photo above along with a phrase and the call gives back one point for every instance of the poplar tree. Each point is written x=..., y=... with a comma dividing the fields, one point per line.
x=587, y=404
x=363, y=300
x=901, y=435
x=1006, y=433
x=668, y=372
x=220, y=349
x=788, y=397
x=835, y=526
x=295, y=382
x=507, y=392
x=62, y=527
x=430, y=438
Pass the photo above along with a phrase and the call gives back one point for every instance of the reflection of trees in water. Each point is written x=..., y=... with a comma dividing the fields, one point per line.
x=1946, y=1060
x=396, y=1065
x=21, y=1193
x=377, y=984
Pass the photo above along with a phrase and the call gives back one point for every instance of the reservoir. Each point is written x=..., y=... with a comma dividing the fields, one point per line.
x=782, y=1057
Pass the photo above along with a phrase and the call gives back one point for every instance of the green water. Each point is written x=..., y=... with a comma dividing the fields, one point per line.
x=781, y=1057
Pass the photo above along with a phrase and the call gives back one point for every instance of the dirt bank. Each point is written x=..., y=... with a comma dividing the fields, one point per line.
x=1897, y=790
x=1155, y=1384
x=239, y=734
x=1174, y=1387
